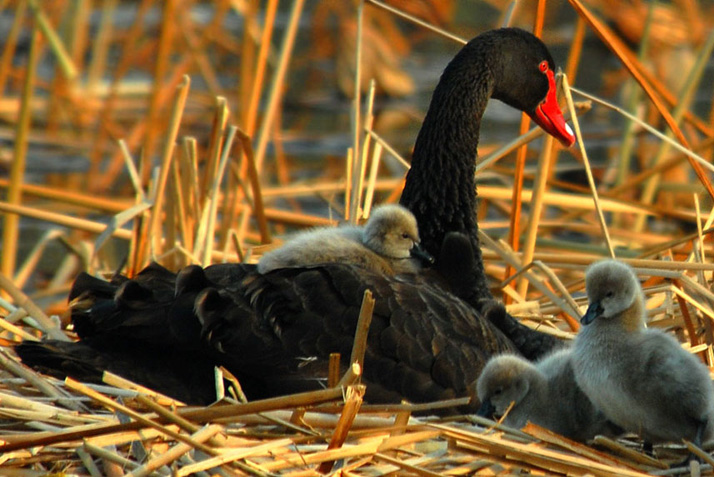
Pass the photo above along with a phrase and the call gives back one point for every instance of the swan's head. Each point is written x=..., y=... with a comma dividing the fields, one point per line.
x=524, y=78
x=392, y=232
x=504, y=380
x=612, y=288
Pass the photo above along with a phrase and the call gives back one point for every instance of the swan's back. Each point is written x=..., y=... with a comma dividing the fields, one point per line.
x=422, y=340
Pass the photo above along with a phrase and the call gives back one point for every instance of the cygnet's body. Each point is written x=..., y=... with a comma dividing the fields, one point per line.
x=388, y=243
x=544, y=393
x=642, y=379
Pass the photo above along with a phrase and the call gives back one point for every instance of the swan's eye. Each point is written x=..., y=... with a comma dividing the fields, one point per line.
x=610, y=294
x=497, y=391
x=543, y=66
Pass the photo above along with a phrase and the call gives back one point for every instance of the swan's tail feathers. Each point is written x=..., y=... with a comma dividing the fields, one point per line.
x=185, y=376
x=61, y=359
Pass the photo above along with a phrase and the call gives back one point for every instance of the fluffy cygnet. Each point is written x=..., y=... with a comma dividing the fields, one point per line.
x=388, y=243
x=642, y=379
x=544, y=393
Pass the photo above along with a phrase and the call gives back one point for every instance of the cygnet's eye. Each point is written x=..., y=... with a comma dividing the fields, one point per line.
x=610, y=294
x=497, y=391
x=405, y=235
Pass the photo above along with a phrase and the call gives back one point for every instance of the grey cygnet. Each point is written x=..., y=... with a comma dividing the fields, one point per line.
x=642, y=379
x=544, y=393
x=388, y=243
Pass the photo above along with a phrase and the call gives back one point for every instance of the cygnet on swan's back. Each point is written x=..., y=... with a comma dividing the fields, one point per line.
x=642, y=379
x=544, y=393
x=388, y=243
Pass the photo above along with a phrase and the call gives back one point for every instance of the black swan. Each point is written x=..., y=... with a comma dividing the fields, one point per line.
x=431, y=333
x=388, y=243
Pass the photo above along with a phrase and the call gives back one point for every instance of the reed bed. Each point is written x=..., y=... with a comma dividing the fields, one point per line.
x=179, y=117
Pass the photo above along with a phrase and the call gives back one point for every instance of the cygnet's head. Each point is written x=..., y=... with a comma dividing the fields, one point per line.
x=612, y=288
x=392, y=232
x=504, y=380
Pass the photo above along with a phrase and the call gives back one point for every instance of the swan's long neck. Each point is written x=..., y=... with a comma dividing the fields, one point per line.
x=440, y=187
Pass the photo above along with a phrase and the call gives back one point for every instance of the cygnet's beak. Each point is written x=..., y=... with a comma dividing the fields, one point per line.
x=594, y=310
x=418, y=252
x=486, y=409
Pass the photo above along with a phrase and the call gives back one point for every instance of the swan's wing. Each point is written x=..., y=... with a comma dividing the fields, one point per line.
x=424, y=343
x=276, y=331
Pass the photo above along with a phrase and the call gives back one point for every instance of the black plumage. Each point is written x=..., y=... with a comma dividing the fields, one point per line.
x=440, y=189
x=431, y=333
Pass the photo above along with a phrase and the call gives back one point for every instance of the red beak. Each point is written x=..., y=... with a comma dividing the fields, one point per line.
x=549, y=117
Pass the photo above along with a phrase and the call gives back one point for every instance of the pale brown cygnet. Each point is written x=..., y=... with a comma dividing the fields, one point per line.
x=544, y=393
x=642, y=379
x=388, y=243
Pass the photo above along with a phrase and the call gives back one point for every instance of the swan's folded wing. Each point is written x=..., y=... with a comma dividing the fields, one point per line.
x=424, y=344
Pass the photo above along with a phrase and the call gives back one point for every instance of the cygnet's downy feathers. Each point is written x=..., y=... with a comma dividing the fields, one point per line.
x=544, y=393
x=388, y=243
x=642, y=379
